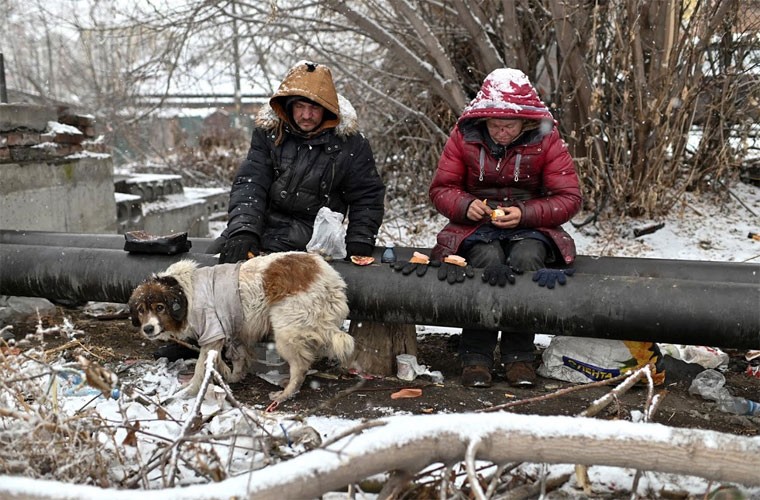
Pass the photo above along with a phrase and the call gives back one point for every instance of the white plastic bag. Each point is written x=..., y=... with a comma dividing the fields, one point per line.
x=708, y=357
x=409, y=369
x=329, y=236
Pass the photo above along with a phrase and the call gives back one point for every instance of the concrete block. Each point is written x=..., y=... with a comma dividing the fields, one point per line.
x=25, y=116
x=74, y=196
x=129, y=212
x=175, y=214
x=75, y=120
x=216, y=200
x=150, y=187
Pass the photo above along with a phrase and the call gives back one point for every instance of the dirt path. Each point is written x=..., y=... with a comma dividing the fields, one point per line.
x=348, y=396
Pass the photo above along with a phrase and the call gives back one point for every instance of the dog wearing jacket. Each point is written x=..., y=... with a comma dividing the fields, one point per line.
x=296, y=297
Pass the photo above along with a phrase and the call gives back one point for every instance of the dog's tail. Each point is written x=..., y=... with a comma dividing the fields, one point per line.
x=342, y=347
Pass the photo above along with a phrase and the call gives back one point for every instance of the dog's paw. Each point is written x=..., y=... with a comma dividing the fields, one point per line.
x=184, y=393
x=279, y=396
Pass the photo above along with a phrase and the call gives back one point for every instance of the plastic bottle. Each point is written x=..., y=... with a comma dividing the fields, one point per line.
x=739, y=406
x=73, y=384
x=389, y=256
x=710, y=385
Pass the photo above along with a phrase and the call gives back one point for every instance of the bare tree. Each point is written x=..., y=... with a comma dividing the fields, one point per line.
x=650, y=95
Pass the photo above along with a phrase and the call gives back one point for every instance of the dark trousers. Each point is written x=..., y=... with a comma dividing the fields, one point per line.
x=477, y=346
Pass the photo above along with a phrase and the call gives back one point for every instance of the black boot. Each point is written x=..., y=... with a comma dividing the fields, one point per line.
x=174, y=351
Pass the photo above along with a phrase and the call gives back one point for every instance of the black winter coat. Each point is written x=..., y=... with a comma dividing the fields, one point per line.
x=278, y=190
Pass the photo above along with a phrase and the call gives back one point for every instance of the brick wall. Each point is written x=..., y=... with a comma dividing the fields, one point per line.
x=54, y=174
x=37, y=133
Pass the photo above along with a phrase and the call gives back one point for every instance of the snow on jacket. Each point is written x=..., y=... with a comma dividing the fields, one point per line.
x=288, y=176
x=535, y=172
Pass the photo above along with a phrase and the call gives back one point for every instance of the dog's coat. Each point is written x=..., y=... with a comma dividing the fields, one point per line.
x=295, y=296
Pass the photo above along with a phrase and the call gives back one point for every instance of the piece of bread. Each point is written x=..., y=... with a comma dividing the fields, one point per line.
x=419, y=258
x=456, y=260
x=362, y=260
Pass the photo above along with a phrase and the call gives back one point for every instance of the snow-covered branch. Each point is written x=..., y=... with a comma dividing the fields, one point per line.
x=411, y=443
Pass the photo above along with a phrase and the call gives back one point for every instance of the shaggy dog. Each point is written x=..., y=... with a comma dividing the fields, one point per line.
x=296, y=297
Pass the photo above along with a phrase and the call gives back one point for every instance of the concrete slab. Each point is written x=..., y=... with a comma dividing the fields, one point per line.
x=175, y=214
x=74, y=196
x=25, y=116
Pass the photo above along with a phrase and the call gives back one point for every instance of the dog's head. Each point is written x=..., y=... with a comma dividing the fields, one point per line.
x=159, y=307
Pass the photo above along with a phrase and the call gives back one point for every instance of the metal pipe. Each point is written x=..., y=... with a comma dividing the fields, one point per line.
x=729, y=272
x=590, y=305
x=3, y=86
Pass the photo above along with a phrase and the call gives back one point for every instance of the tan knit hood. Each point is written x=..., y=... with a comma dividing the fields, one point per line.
x=314, y=82
x=268, y=119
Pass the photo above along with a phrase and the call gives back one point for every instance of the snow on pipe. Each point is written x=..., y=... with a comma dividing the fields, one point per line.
x=682, y=311
x=730, y=272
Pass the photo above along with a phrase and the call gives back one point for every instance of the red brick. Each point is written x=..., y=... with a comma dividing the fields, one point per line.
x=69, y=138
x=29, y=154
x=23, y=138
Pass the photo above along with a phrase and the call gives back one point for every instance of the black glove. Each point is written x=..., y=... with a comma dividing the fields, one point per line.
x=359, y=249
x=453, y=273
x=515, y=269
x=406, y=268
x=548, y=277
x=498, y=274
x=237, y=248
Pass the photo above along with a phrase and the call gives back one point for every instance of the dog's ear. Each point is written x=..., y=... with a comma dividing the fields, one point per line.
x=135, y=319
x=133, y=311
x=177, y=301
x=178, y=306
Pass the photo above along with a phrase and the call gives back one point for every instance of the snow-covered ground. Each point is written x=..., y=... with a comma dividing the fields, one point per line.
x=700, y=231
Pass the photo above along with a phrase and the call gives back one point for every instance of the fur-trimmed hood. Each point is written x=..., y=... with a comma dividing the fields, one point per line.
x=268, y=119
x=310, y=80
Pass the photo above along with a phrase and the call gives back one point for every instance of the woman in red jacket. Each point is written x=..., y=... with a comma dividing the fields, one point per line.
x=506, y=182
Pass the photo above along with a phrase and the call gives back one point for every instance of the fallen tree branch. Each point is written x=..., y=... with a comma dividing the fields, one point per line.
x=614, y=394
x=556, y=394
x=472, y=475
x=648, y=230
x=413, y=442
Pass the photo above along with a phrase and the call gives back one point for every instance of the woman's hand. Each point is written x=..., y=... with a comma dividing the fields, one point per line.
x=510, y=219
x=478, y=210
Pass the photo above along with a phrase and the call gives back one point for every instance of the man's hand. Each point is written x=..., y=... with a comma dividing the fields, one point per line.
x=549, y=277
x=359, y=249
x=238, y=247
x=498, y=274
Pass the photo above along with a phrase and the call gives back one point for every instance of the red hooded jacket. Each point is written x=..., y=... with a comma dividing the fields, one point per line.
x=535, y=172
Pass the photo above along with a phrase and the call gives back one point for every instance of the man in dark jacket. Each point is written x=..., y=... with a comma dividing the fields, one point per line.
x=306, y=153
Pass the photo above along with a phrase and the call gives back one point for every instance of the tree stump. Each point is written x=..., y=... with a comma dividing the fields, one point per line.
x=377, y=345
